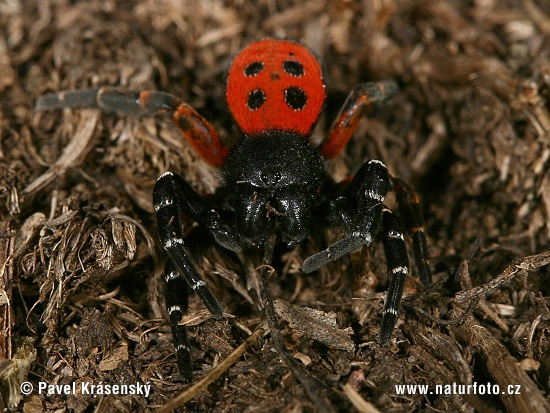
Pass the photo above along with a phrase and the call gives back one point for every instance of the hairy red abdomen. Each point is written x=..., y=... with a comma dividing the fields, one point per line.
x=275, y=85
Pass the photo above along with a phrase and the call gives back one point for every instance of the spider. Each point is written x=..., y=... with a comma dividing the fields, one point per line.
x=274, y=181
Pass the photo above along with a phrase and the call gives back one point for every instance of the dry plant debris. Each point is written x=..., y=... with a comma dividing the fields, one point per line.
x=316, y=325
x=80, y=270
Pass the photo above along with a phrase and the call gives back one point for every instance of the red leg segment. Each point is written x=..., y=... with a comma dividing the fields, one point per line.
x=358, y=101
x=201, y=135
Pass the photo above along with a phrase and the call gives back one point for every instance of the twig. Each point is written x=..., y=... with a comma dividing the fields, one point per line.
x=537, y=16
x=518, y=392
x=457, y=274
x=521, y=266
x=295, y=14
x=440, y=321
x=73, y=154
x=6, y=286
x=310, y=385
x=358, y=402
x=216, y=372
x=488, y=311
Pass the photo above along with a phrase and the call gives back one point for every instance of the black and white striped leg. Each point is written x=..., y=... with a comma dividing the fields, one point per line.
x=409, y=209
x=395, y=250
x=177, y=301
x=359, y=211
x=172, y=198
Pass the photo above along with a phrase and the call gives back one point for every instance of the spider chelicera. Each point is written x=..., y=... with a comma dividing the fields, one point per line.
x=274, y=180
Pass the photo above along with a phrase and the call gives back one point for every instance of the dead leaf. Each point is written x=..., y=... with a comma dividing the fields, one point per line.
x=113, y=359
x=316, y=325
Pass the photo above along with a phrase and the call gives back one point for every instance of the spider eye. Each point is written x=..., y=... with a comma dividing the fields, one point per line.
x=271, y=179
x=253, y=69
x=264, y=177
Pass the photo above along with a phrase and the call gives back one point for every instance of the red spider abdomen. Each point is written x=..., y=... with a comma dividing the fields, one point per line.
x=275, y=85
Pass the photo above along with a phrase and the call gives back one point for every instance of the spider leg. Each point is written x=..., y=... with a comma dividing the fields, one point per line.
x=395, y=250
x=177, y=304
x=172, y=197
x=200, y=134
x=409, y=209
x=359, y=100
x=358, y=211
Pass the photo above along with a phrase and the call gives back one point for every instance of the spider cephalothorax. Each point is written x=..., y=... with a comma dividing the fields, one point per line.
x=279, y=170
x=274, y=179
